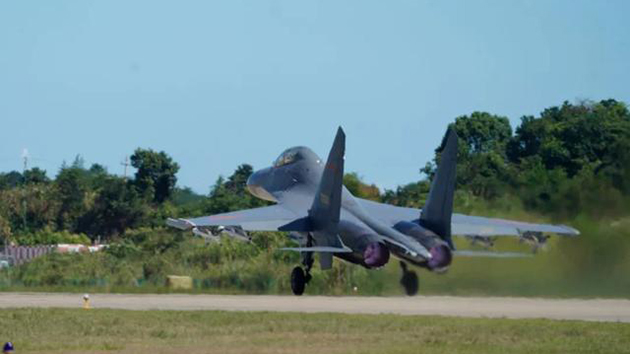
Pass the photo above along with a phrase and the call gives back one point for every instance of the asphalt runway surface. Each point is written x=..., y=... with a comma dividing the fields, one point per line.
x=609, y=310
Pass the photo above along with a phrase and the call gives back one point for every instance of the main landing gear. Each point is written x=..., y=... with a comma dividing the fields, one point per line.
x=409, y=280
x=300, y=277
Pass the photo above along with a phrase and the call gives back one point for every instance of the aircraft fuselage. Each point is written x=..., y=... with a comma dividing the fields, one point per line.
x=293, y=181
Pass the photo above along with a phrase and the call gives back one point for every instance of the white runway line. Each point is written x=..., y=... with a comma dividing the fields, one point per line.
x=616, y=310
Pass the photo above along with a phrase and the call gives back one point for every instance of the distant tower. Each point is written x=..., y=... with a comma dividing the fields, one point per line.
x=25, y=159
x=126, y=164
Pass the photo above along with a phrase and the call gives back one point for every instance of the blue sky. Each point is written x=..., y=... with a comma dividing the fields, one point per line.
x=219, y=83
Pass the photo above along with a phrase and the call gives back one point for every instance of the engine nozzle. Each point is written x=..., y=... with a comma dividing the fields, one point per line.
x=441, y=256
x=376, y=255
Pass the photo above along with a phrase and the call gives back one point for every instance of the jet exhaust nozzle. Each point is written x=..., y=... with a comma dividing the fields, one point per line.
x=441, y=256
x=376, y=255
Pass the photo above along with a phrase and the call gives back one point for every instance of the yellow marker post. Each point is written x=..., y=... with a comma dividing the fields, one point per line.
x=86, y=302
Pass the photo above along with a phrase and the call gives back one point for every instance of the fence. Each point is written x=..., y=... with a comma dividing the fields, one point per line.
x=21, y=254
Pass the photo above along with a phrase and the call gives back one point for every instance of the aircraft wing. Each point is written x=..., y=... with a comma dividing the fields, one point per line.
x=465, y=224
x=477, y=225
x=269, y=218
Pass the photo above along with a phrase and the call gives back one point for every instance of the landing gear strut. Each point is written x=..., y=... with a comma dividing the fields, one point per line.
x=300, y=277
x=409, y=280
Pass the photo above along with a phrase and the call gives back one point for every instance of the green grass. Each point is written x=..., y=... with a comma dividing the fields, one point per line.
x=121, y=331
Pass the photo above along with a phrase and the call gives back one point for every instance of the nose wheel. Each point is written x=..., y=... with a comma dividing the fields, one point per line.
x=409, y=280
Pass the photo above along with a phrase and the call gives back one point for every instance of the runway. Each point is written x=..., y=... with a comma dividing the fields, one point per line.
x=616, y=310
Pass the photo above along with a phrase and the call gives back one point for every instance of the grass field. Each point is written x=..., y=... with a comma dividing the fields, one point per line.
x=106, y=331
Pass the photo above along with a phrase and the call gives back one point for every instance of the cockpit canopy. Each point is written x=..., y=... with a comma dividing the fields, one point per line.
x=287, y=157
x=293, y=155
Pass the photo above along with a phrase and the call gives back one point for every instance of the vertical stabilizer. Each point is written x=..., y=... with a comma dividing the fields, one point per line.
x=325, y=211
x=436, y=213
x=326, y=206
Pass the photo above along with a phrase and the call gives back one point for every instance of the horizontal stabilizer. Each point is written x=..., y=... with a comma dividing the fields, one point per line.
x=489, y=254
x=317, y=249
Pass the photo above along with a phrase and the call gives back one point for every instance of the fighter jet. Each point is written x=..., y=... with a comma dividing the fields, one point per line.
x=317, y=211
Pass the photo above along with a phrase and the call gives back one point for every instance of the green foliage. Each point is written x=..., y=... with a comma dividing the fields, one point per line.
x=29, y=208
x=412, y=195
x=10, y=180
x=481, y=165
x=482, y=132
x=5, y=229
x=360, y=189
x=71, y=189
x=123, y=250
x=49, y=237
x=231, y=194
x=184, y=196
x=571, y=159
x=155, y=175
x=141, y=259
x=35, y=175
x=571, y=136
x=117, y=206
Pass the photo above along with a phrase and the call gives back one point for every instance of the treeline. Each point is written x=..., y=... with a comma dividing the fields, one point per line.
x=88, y=204
x=85, y=201
x=571, y=159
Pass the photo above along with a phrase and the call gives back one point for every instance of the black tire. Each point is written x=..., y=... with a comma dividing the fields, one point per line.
x=298, y=281
x=410, y=282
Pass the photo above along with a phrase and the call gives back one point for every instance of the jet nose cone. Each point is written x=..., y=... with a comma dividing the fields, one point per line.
x=258, y=178
x=256, y=183
x=252, y=180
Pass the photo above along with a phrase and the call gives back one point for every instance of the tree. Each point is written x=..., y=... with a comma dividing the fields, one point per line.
x=481, y=158
x=482, y=132
x=238, y=180
x=29, y=207
x=155, y=175
x=412, y=195
x=72, y=187
x=5, y=229
x=571, y=136
x=360, y=189
x=117, y=207
x=11, y=180
x=232, y=194
x=97, y=175
x=184, y=196
x=35, y=175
